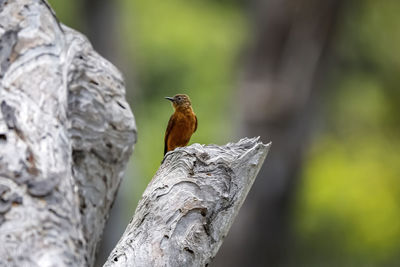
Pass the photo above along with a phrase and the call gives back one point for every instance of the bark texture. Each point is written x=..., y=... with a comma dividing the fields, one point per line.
x=66, y=133
x=190, y=204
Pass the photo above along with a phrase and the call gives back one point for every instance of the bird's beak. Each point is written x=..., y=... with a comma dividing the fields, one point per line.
x=170, y=98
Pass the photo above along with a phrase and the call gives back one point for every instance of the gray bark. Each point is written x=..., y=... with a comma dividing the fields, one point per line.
x=190, y=204
x=66, y=133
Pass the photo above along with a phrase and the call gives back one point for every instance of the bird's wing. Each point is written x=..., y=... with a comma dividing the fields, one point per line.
x=195, y=125
x=167, y=132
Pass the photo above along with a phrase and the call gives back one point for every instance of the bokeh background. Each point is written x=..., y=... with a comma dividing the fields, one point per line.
x=320, y=79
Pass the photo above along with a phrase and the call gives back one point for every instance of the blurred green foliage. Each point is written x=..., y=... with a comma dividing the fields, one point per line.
x=347, y=211
x=69, y=12
x=187, y=47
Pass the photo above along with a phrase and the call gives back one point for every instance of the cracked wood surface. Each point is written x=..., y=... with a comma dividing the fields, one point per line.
x=190, y=204
x=66, y=133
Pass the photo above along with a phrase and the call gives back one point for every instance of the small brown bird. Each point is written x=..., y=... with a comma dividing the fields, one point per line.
x=181, y=125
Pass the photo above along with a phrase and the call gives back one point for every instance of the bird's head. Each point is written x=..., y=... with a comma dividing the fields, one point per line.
x=180, y=101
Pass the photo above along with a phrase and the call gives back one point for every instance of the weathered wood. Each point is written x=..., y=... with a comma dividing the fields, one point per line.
x=190, y=204
x=66, y=133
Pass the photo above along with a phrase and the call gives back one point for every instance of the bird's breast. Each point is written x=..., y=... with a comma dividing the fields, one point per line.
x=183, y=128
x=185, y=123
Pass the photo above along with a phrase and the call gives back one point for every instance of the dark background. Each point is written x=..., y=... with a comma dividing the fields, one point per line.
x=317, y=78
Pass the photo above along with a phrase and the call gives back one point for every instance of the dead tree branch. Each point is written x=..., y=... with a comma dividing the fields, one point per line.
x=190, y=204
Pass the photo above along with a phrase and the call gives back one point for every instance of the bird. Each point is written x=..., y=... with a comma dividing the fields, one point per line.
x=182, y=123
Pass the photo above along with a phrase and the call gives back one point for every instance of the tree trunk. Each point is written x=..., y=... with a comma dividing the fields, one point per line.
x=189, y=206
x=66, y=133
x=100, y=24
x=279, y=97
